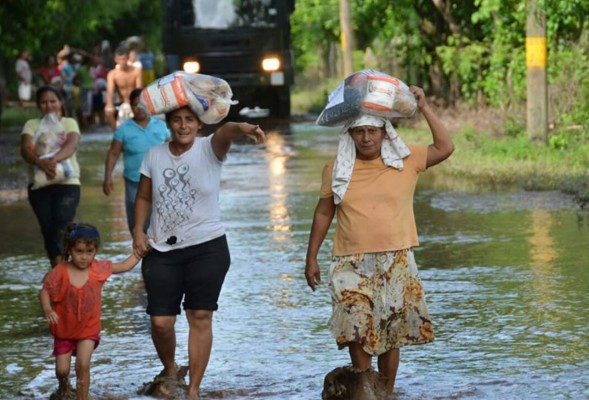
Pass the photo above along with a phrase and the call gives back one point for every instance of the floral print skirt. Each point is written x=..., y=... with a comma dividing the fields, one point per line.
x=378, y=301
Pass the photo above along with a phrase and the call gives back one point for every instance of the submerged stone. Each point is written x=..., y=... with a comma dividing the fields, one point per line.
x=350, y=384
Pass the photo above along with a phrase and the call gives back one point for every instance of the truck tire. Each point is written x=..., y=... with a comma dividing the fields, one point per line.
x=281, y=106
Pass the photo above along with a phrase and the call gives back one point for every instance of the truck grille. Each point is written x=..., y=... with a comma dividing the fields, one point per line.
x=226, y=64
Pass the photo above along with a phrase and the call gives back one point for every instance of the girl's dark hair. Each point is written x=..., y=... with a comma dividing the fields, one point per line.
x=79, y=232
x=47, y=88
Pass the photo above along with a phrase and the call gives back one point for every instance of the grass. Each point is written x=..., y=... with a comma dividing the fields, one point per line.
x=16, y=116
x=515, y=161
x=310, y=96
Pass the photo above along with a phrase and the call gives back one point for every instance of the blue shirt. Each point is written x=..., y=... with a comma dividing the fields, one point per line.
x=137, y=140
x=147, y=60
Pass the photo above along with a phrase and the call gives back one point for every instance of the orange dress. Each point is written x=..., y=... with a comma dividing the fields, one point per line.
x=78, y=308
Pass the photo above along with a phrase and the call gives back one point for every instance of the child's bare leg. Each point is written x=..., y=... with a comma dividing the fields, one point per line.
x=84, y=352
x=62, y=370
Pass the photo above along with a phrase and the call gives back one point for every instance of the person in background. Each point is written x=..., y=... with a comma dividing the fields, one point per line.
x=86, y=90
x=189, y=258
x=49, y=72
x=76, y=93
x=133, y=139
x=135, y=61
x=120, y=81
x=55, y=204
x=105, y=53
x=24, y=76
x=71, y=301
x=68, y=74
x=99, y=74
x=147, y=59
x=378, y=298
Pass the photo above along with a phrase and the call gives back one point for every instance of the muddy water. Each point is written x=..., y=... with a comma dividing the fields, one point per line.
x=506, y=275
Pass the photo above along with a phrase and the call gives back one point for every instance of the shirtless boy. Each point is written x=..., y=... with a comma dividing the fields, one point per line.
x=123, y=79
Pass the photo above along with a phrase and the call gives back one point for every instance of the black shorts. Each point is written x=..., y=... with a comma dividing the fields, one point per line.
x=195, y=273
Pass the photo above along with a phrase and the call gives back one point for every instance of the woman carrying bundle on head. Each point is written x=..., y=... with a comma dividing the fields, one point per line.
x=378, y=298
x=186, y=252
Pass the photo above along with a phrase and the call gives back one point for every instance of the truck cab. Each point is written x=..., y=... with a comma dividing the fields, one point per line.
x=245, y=42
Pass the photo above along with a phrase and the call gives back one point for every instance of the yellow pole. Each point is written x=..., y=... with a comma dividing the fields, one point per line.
x=346, y=35
x=537, y=92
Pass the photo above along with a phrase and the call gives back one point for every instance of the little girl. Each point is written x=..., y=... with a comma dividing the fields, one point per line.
x=71, y=301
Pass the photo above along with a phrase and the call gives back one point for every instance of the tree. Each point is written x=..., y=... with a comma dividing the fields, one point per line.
x=44, y=26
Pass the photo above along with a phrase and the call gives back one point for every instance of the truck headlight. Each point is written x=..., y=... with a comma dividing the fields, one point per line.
x=191, y=66
x=270, y=64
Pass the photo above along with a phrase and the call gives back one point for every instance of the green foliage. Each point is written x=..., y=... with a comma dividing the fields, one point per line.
x=516, y=161
x=15, y=117
x=569, y=83
x=310, y=96
x=472, y=50
x=315, y=27
x=514, y=126
x=44, y=26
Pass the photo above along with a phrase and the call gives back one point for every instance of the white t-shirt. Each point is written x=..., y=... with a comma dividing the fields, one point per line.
x=22, y=68
x=185, y=195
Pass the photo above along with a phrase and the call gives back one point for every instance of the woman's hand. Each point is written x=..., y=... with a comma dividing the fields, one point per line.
x=107, y=187
x=231, y=131
x=313, y=274
x=253, y=133
x=48, y=165
x=419, y=96
x=140, y=244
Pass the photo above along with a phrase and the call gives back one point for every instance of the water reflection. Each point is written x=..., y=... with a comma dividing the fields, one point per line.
x=542, y=256
x=277, y=155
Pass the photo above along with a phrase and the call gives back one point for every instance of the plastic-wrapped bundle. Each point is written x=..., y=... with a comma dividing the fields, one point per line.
x=371, y=92
x=49, y=137
x=208, y=96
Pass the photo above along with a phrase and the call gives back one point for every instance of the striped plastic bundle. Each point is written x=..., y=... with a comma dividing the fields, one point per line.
x=208, y=96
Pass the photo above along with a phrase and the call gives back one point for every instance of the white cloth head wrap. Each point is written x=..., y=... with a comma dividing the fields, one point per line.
x=392, y=152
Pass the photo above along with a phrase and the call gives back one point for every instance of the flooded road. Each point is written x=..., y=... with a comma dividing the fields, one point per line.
x=506, y=274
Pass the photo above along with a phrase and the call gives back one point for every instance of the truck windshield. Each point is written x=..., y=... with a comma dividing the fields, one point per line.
x=224, y=14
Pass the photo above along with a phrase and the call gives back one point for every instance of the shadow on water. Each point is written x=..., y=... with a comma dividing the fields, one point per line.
x=505, y=273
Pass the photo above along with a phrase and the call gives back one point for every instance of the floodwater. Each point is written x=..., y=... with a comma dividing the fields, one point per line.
x=506, y=275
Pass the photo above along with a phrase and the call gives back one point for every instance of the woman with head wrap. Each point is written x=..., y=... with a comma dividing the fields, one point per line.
x=378, y=298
